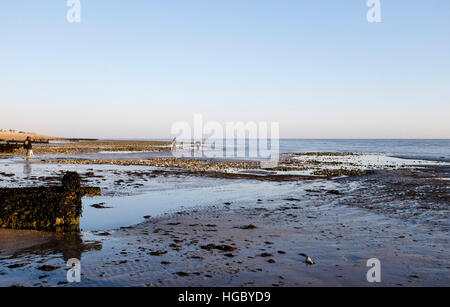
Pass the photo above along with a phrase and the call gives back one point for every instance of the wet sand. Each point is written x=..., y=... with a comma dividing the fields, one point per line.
x=252, y=233
x=255, y=244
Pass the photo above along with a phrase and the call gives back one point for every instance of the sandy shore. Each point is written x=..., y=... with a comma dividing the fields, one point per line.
x=257, y=244
x=248, y=232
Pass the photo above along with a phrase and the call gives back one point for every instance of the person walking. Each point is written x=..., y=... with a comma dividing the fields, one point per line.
x=28, y=147
x=174, y=144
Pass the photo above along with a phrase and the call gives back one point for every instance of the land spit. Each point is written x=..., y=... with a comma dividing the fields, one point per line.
x=82, y=147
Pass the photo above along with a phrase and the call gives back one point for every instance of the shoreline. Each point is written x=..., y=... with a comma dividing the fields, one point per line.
x=81, y=147
x=245, y=231
x=257, y=242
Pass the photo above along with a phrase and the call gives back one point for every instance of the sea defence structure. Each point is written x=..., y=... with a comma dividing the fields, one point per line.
x=54, y=208
x=10, y=148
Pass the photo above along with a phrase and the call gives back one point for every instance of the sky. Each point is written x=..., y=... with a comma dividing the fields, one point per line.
x=131, y=69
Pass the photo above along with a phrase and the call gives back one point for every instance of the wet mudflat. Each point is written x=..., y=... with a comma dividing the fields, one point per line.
x=218, y=231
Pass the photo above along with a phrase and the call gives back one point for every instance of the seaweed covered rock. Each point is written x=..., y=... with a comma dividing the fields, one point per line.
x=71, y=181
x=55, y=208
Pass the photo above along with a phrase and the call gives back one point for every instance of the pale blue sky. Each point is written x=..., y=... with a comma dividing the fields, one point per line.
x=132, y=68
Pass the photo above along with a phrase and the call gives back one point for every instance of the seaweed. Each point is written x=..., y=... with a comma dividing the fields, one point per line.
x=54, y=208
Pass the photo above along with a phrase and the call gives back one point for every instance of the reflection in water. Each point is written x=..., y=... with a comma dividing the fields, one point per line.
x=69, y=245
x=27, y=168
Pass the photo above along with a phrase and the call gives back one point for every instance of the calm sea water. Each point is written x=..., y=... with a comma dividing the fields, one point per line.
x=428, y=149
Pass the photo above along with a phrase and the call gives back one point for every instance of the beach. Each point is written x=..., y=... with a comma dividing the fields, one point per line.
x=218, y=150
x=165, y=221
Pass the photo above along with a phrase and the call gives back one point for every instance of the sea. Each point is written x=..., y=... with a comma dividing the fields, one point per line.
x=425, y=149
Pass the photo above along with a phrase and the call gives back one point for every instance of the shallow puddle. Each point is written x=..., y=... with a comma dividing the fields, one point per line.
x=126, y=211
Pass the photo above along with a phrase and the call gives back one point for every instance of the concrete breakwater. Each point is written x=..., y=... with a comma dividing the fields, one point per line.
x=55, y=208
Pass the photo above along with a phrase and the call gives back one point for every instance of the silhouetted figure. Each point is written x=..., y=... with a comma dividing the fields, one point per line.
x=28, y=147
x=174, y=144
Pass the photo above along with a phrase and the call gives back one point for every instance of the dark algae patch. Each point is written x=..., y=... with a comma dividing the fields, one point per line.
x=339, y=172
x=55, y=208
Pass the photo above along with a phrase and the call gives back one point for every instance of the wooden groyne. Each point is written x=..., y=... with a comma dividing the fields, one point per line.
x=56, y=208
x=14, y=146
x=37, y=141
x=9, y=148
